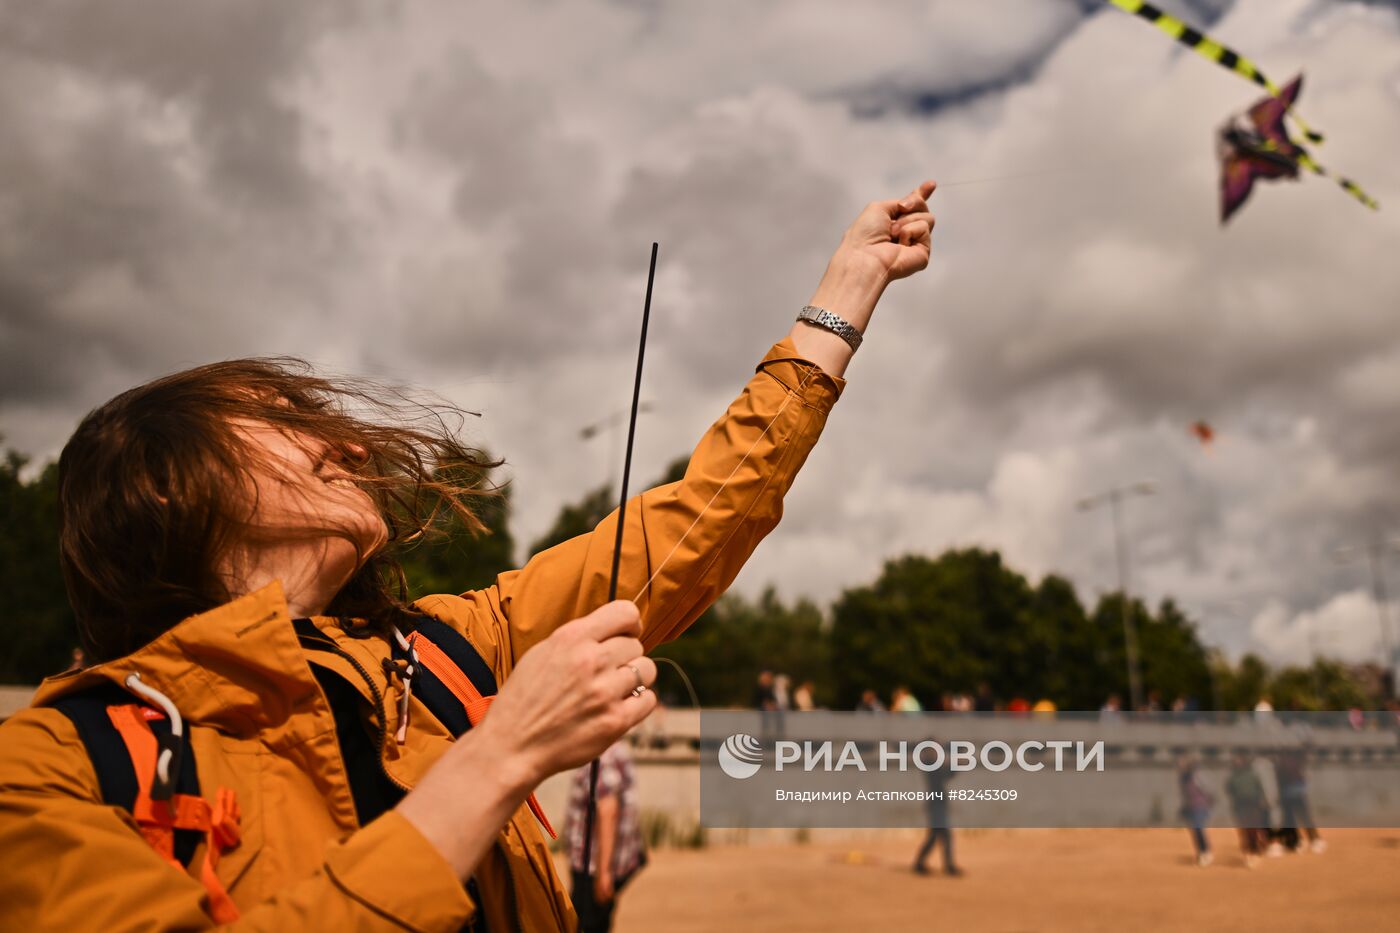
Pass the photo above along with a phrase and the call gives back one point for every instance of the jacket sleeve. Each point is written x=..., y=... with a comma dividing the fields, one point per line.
x=69, y=862
x=684, y=543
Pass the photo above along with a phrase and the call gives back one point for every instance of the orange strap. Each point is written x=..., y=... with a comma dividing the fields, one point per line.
x=132, y=726
x=158, y=819
x=538, y=810
x=476, y=705
x=443, y=667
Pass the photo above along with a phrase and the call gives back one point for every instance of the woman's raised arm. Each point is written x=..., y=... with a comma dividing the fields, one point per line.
x=685, y=542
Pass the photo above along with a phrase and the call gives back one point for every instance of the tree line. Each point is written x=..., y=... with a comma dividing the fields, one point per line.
x=955, y=623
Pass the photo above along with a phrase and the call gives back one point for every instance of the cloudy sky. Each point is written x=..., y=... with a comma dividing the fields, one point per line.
x=462, y=196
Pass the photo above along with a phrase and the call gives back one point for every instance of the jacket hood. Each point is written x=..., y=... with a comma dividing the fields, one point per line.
x=237, y=668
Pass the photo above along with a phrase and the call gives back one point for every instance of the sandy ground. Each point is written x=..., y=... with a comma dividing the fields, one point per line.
x=1080, y=880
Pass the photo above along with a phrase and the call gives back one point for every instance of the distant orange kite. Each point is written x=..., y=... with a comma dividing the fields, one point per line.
x=1203, y=432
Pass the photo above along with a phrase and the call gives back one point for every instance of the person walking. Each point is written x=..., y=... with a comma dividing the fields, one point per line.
x=1196, y=803
x=1295, y=813
x=1250, y=807
x=940, y=826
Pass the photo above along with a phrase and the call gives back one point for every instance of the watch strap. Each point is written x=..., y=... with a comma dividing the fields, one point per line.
x=820, y=317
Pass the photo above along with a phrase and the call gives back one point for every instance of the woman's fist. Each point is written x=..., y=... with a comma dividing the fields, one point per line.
x=894, y=235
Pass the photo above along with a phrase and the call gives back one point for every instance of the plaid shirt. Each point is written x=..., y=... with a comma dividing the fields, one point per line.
x=616, y=777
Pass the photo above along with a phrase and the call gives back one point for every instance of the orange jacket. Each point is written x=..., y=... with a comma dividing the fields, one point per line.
x=260, y=725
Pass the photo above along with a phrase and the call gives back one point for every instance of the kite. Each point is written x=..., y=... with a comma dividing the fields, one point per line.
x=1256, y=145
x=1203, y=432
x=1207, y=47
x=1259, y=147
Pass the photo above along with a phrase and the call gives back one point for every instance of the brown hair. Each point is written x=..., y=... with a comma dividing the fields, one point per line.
x=148, y=483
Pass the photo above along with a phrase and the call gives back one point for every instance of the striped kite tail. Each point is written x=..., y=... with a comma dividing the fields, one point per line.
x=1207, y=47
x=1346, y=184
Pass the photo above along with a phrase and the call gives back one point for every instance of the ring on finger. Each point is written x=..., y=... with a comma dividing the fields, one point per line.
x=641, y=684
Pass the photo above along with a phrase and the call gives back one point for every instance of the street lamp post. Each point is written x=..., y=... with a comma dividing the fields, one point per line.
x=1315, y=638
x=1374, y=553
x=1376, y=549
x=1115, y=498
x=1214, y=657
x=611, y=424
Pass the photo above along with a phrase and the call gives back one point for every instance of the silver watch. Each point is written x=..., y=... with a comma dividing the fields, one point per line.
x=835, y=323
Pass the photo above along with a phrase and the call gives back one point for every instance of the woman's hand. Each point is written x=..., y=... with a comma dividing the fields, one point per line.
x=569, y=698
x=603, y=890
x=893, y=236
x=889, y=240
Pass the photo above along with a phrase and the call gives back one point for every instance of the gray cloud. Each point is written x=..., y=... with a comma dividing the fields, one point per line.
x=226, y=64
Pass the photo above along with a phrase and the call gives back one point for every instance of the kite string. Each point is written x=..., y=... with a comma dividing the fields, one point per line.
x=1128, y=161
x=979, y=181
x=774, y=420
x=685, y=679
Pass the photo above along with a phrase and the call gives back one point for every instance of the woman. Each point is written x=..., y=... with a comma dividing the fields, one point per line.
x=1250, y=805
x=227, y=540
x=1196, y=803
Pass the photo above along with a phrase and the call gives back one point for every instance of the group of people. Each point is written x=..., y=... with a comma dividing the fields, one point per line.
x=1113, y=705
x=1259, y=833
x=903, y=700
x=775, y=693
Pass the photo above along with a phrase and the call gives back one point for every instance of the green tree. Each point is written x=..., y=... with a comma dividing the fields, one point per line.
x=675, y=471
x=1243, y=685
x=1324, y=685
x=39, y=630
x=935, y=625
x=578, y=518
x=1111, y=654
x=1072, y=647
x=725, y=649
x=963, y=619
x=581, y=517
x=454, y=558
x=1174, y=662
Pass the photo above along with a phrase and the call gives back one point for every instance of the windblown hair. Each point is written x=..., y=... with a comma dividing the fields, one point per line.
x=152, y=489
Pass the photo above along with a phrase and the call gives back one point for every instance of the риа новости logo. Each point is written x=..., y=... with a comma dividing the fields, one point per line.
x=740, y=756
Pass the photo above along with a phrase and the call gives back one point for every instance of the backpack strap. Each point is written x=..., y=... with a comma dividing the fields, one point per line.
x=116, y=778
x=456, y=684
x=124, y=740
x=453, y=662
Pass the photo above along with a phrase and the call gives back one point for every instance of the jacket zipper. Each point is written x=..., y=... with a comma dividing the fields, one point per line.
x=380, y=717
